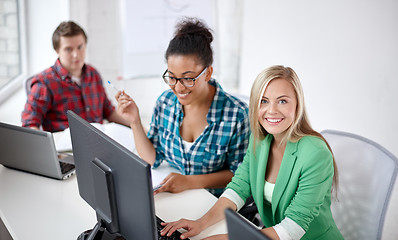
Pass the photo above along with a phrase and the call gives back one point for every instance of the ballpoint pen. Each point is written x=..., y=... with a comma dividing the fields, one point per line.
x=157, y=187
x=113, y=86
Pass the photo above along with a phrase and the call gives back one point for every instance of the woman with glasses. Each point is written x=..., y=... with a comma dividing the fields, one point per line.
x=196, y=127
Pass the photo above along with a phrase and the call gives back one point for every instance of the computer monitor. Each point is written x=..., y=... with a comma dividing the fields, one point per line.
x=240, y=228
x=115, y=182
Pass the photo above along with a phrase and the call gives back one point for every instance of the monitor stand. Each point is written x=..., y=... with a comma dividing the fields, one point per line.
x=99, y=233
x=106, y=207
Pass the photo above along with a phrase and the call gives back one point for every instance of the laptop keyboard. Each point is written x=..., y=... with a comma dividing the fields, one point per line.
x=176, y=235
x=66, y=167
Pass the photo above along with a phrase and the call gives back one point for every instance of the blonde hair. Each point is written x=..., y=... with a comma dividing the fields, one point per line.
x=300, y=127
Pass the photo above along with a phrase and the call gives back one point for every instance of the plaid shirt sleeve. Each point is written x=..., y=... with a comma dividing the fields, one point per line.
x=153, y=133
x=36, y=106
x=94, y=76
x=108, y=107
x=239, y=141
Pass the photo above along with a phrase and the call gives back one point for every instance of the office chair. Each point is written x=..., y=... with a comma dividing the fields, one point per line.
x=367, y=172
x=244, y=98
x=249, y=210
x=28, y=84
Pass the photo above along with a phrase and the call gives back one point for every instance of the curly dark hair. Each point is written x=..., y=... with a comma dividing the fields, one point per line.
x=192, y=37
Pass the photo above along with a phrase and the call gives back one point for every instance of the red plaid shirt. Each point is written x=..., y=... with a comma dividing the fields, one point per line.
x=53, y=93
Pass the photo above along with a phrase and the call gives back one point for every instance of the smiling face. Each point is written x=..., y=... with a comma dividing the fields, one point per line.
x=278, y=106
x=71, y=53
x=181, y=66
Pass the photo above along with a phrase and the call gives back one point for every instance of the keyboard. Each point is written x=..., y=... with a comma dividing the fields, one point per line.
x=66, y=167
x=107, y=236
x=175, y=236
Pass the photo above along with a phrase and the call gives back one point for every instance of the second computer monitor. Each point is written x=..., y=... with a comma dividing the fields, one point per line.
x=240, y=228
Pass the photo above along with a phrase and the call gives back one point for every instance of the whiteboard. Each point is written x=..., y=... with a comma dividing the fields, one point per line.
x=147, y=28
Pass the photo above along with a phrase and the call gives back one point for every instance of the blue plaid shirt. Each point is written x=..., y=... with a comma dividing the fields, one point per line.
x=222, y=144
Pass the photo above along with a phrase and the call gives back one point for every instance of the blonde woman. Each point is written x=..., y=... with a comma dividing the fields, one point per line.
x=289, y=168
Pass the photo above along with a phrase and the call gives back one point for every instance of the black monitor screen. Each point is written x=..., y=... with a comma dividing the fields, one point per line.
x=113, y=181
x=240, y=228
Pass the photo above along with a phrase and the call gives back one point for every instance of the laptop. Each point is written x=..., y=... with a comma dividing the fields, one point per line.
x=33, y=151
x=239, y=228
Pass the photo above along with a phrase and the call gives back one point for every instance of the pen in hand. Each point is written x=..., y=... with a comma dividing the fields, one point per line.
x=113, y=86
x=157, y=187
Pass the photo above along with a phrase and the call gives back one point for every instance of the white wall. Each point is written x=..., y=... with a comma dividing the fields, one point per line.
x=345, y=53
x=101, y=22
x=42, y=18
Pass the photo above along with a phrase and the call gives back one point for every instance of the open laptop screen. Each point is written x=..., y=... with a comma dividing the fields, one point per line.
x=30, y=150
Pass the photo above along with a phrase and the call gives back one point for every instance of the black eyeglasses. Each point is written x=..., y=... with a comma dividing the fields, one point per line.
x=187, y=82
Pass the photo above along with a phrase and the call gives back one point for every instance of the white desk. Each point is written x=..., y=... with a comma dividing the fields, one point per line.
x=35, y=207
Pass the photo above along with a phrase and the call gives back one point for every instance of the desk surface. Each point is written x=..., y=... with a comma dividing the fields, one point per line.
x=35, y=207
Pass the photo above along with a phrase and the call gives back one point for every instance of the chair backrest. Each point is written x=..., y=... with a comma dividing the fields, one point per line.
x=242, y=97
x=367, y=173
x=28, y=84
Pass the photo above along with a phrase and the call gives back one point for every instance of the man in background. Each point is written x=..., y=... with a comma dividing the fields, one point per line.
x=69, y=84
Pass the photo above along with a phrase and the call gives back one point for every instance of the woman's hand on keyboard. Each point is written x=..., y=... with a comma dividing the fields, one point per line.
x=192, y=228
x=174, y=183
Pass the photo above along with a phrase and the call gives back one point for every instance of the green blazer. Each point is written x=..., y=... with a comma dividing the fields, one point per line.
x=302, y=189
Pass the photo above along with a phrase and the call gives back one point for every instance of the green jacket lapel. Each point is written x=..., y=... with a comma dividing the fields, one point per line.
x=262, y=153
x=288, y=161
